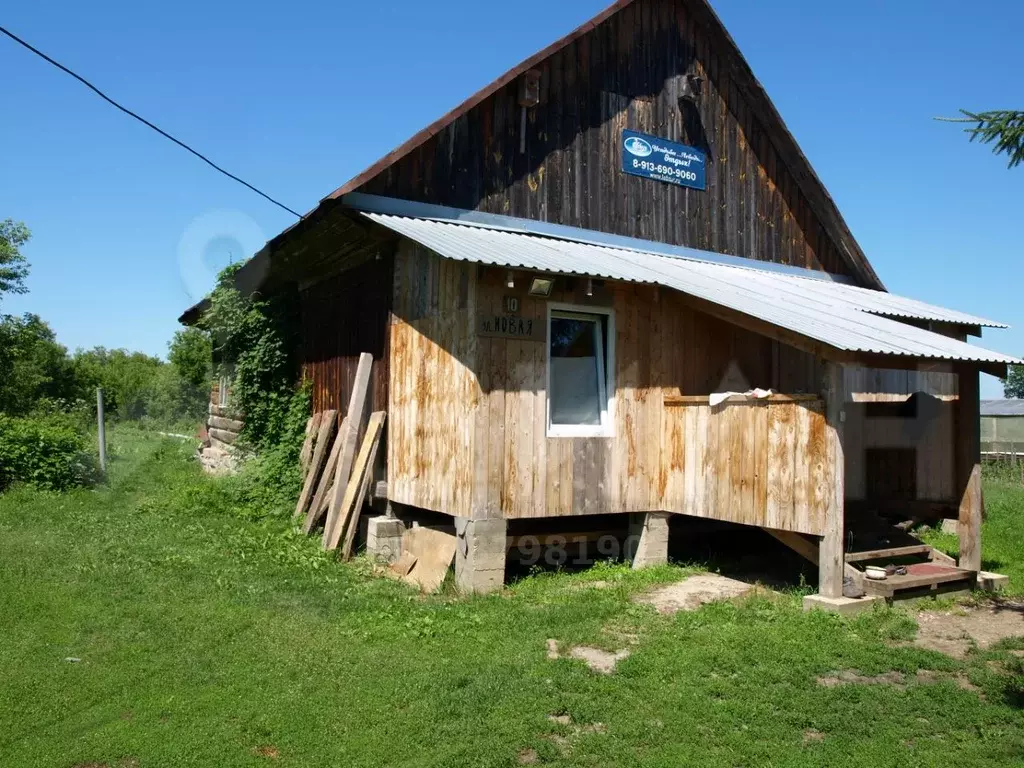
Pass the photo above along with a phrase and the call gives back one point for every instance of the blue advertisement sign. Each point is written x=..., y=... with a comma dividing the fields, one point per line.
x=655, y=158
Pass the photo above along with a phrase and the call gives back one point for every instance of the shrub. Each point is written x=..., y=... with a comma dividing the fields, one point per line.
x=47, y=452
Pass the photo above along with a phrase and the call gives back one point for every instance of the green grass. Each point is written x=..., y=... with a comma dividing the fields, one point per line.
x=208, y=638
x=1002, y=533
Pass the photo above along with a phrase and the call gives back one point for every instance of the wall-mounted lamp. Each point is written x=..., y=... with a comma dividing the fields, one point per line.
x=541, y=286
x=590, y=286
x=510, y=279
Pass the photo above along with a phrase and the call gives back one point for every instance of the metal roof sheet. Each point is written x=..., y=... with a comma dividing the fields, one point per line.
x=827, y=312
x=1002, y=407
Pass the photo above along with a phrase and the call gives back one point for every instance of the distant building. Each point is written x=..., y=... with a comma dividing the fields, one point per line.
x=1002, y=426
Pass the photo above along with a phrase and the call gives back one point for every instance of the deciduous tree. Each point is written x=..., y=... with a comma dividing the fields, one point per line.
x=13, y=265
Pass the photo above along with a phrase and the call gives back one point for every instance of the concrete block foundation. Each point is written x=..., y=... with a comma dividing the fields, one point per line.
x=844, y=606
x=992, y=582
x=480, y=555
x=647, y=543
x=384, y=538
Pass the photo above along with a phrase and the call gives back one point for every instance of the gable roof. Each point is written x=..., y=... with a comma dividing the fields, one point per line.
x=736, y=66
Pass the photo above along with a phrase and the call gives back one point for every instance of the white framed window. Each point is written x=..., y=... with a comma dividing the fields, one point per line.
x=581, y=361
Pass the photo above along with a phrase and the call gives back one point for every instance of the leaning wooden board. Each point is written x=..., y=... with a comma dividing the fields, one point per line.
x=323, y=491
x=354, y=417
x=426, y=557
x=327, y=421
x=343, y=515
x=306, y=455
x=364, y=473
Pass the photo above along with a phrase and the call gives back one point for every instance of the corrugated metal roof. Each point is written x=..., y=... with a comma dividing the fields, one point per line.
x=1002, y=407
x=828, y=312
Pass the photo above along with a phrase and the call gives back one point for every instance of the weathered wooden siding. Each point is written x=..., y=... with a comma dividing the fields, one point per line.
x=343, y=316
x=433, y=390
x=761, y=463
x=929, y=434
x=874, y=385
x=625, y=73
x=468, y=424
x=662, y=347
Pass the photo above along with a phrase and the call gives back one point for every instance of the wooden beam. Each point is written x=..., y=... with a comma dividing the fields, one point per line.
x=327, y=421
x=967, y=418
x=674, y=400
x=795, y=541
x=830, y=553
x=354, y=418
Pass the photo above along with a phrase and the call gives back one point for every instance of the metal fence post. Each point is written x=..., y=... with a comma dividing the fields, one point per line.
x=102, y=429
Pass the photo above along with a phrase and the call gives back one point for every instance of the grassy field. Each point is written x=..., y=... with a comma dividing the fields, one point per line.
x=149, y=624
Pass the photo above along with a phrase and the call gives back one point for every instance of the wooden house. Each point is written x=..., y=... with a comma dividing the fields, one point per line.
x=559, y=279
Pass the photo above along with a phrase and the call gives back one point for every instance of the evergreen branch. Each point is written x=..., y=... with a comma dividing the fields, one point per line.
x=1003, y=127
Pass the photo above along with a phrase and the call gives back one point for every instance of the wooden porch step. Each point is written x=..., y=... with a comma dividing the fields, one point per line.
x=886, y=554
x=920, y=576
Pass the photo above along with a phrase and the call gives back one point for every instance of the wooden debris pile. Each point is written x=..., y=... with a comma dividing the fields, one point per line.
x=337, y=463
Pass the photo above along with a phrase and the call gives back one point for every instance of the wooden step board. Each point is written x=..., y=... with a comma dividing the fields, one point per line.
x=923, y=577
x=937, y=570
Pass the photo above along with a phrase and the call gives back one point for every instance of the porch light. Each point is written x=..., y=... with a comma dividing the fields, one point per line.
x=541, y=286
x=510, y=279
x=590, y=286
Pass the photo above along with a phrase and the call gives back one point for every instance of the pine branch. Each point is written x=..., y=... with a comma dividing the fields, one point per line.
x=1003, y=127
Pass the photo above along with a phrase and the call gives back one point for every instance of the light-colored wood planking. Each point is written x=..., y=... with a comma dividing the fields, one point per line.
x=434, y=389
x=749, y=464
x=344, y=529
x=327, y=423
x=323, y=495
x=830, y=552
x=467, y=431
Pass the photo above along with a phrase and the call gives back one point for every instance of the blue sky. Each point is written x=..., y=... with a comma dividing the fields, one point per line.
x=299, y=97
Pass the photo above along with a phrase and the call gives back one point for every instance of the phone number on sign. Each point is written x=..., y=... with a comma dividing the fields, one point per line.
x=664, y=170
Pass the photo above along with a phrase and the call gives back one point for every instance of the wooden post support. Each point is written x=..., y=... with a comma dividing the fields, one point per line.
x=968, y=466
x=830, y=552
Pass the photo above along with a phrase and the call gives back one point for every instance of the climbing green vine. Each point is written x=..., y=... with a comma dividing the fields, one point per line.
x=254, y=341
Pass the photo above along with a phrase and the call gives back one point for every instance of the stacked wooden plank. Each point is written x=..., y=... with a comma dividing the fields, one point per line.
x=338, y=466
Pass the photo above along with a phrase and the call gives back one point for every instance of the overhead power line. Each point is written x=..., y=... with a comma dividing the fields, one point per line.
x=145, y=122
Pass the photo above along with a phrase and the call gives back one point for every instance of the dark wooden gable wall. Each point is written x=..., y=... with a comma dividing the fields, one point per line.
x=625, y=73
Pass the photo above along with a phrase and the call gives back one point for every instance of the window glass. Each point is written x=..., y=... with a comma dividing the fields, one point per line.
x=578, y=375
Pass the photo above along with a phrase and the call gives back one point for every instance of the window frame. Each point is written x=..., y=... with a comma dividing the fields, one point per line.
x=606, y=355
